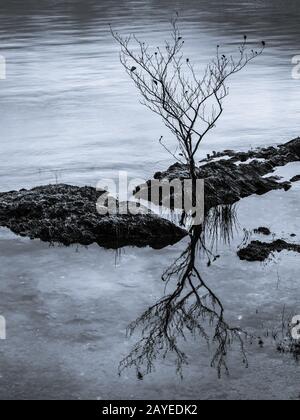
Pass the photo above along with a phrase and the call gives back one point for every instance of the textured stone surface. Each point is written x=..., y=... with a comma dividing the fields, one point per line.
x=261, y=251
x=66, y=214
x=229, y=179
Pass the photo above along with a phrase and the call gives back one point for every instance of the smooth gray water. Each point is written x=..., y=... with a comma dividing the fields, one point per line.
x=67, y=311
x=69, y=113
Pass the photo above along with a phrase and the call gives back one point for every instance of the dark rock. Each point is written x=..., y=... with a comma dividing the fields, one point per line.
x=262, y=231
x=226, y=182
x=294, y=147
x=66, y=214
x=295, y=178
x=261, y=251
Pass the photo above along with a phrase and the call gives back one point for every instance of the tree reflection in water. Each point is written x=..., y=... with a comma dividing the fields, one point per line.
x=191, y=308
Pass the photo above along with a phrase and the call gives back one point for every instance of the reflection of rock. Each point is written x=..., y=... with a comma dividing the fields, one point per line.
x=260, y=251
x=226, y=181
x=67, y=215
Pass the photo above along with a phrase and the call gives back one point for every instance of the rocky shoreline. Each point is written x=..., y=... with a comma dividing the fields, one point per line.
x=67, y=214
x=230, y=176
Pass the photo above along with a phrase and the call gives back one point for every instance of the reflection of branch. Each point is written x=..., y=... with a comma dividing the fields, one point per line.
x=169, y=151
x=220, y=224
x=191, y=308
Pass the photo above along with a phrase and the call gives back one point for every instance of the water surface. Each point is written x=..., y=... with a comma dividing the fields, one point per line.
x=69, y=112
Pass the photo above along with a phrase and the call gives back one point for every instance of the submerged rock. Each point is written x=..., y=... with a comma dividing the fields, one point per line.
x=295, y=178
x=66, y=214
x=261, y=251
x=228, y=180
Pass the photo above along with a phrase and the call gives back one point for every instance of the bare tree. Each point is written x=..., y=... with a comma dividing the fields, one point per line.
x=190, y=105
